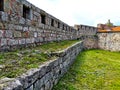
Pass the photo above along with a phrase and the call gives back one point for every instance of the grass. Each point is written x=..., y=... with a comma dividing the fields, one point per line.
x=93, y=70
x=13, y=64
x=57, y=46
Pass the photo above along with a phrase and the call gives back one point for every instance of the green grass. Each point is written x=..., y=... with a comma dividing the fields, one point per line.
x=17, y=62
x=57, y=46
x=93, y=70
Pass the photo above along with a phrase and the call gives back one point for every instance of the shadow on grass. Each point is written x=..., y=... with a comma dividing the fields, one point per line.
x=65, y=83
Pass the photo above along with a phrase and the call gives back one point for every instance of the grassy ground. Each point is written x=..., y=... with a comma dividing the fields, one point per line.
x=93, y=70
x=15, y=63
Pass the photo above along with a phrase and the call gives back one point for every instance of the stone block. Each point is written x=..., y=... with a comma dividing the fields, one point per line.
x=3, y=16
x=22, y=41
x=47, y=77
x=30, y=88
x=39, y=34
x=31, y=33
x=41, y=39
x=26, y=3
x=32, y=40
x=36, y=13
x=17, y=34
x=56, y=81
x=38, y=84
x=22, y=21
x=42, y=88
x=56, y=70
x=18, y=27
x=47, y=86
x=28, y=22
x=3, y=42
x=37, y=10
x=25, y=29
x=32, y=29
x=10, y=84
x=2, y=33
x=60, y=60
x=42, y=70
x=11, y=26
x=8, y=33
x=2, y=26
x=29, y=40
x=25, y=34
x=35, y=34
x=29, y=77
x=37, y=40
x=12, y=42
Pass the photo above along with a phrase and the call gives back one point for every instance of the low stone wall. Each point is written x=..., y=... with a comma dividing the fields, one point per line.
x=109, y=41
x=90, y=42
x=47, y=75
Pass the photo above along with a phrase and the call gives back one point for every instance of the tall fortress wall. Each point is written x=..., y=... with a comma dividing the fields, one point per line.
x=22, y=25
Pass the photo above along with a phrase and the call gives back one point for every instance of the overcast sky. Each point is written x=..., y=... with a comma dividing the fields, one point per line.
x=88, y=12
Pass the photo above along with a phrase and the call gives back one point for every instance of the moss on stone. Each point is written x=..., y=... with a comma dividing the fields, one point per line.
x=17, y=62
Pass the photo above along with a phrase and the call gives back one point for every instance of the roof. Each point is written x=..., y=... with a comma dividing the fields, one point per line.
x=114, y=29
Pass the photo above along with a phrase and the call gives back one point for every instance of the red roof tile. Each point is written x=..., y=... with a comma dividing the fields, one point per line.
x=114, y=29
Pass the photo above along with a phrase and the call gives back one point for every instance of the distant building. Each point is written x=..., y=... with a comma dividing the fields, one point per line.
x=107, y=26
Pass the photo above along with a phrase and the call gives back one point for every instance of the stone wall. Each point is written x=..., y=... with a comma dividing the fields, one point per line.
x=23, y=24
x=90, y=41
x=47, y=75
x=109, y=41
x=85, y=30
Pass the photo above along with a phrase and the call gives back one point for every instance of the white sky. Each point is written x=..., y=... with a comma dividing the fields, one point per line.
x=88, y=12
